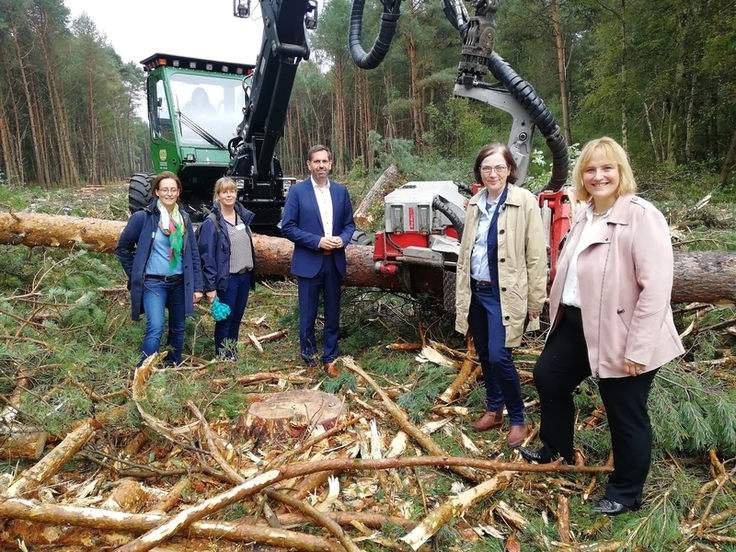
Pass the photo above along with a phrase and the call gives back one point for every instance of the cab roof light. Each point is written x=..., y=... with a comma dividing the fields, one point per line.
x=176, y=63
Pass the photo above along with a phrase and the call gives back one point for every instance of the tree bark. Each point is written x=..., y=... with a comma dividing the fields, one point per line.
x=33, y=477
x=69, y=174
x=361, y=215
x=32, y=113
x=96, y=518
x=561, y=70
x=729, y=161
x=703, y=276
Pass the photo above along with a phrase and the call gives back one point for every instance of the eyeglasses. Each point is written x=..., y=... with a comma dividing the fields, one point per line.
x=499, y=169
x=168, y=191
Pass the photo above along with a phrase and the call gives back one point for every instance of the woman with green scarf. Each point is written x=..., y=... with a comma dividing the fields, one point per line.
x=159, y=254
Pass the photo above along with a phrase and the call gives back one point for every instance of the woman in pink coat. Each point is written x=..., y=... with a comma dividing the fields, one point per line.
x=611, y=319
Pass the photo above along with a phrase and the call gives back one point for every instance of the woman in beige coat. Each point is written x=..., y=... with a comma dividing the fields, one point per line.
x=501, y=280
x=611, y=318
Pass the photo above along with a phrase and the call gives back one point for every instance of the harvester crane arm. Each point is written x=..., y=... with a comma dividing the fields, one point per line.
x=511, y=93
x=284, y=46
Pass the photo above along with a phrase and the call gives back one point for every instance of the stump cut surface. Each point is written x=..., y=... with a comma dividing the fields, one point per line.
x=292, y=414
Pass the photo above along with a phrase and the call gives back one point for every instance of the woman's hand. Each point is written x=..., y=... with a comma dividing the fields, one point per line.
x=533, y=315
x=197, y=296
x=632, y=368
x=211, y=295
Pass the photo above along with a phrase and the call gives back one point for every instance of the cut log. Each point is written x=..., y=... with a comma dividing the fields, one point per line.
x=361, y=216
x=50, y=522
x=19, y=441
x=99, y=235
x=292, y=414
x=35, y=476
x=703, y=276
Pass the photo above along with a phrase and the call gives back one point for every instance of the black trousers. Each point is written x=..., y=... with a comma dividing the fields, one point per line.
x=561, y=367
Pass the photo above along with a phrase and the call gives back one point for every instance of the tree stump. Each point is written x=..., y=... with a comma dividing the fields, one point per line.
x=292, y=414
x=20, y=441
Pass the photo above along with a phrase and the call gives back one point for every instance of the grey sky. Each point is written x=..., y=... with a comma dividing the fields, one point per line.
x=137, y=29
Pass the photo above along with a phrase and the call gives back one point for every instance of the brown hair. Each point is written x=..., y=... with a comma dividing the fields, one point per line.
x=163, y=176
x=318, y=147
x=612, y=151
x=222, y=185
x=490, y=149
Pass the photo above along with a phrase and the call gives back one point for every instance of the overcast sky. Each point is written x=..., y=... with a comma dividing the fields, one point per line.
x=137, y=29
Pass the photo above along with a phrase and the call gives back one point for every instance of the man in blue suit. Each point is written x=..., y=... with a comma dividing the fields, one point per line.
x=318, y=218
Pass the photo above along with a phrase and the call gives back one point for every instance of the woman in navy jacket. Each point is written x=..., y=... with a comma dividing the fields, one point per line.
x=162, y=262
x=228, y=261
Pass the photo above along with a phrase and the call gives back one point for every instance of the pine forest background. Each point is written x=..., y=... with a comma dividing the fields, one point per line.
x=656, y=74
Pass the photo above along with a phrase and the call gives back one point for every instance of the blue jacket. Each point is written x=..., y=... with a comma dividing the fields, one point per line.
x=214, y=249
x=134, y=248
x=302, y=224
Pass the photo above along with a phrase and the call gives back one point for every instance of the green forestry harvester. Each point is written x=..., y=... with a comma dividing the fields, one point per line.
x=210, y=118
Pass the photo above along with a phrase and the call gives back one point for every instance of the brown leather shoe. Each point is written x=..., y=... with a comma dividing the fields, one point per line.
x=516, y=436
x=331, y=368
x=489, y=420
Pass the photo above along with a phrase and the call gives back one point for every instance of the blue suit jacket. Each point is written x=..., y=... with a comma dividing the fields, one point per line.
x=302, y=224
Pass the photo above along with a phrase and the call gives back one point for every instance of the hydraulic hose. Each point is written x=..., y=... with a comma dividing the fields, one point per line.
x=523, y=93
x=386, y=32
x=440, y=204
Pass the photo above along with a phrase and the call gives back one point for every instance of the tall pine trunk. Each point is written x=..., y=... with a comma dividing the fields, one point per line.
x=32, y=114
x=561, y=71
x=67, y=166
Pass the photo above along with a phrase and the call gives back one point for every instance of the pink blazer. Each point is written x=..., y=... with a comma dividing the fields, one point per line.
x=625, y=279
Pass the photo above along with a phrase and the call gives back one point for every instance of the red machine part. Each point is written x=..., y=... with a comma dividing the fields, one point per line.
x=556, y=213
x=390, y=246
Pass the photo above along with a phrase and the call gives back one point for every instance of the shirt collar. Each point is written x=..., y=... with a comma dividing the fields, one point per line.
x=316, y=186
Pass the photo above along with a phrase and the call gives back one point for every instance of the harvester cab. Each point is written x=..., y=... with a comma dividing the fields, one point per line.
x=194, y=109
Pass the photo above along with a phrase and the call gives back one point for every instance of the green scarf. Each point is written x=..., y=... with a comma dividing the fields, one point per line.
x=172, y=225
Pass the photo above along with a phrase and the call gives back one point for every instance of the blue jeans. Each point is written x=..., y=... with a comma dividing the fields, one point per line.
x=157, y=297
x=489, y=335
x=235, y=297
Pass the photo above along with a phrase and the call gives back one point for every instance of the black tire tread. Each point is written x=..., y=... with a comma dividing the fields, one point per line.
x=139, y=191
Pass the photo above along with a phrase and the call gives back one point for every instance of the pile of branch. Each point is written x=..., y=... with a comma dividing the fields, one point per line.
x=281, y=489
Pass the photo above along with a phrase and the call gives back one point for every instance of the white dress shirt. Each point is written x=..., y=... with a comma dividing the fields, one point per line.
x=324, y=201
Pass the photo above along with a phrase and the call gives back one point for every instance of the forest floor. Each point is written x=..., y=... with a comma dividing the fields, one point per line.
x=397, y=468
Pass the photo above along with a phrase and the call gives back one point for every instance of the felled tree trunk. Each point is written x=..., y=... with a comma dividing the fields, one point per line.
x=704, y=276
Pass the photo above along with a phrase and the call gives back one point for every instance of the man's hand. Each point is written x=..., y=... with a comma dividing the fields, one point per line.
x=211, y=295
x=197, y=296
x=334, y=242
x=533, y=315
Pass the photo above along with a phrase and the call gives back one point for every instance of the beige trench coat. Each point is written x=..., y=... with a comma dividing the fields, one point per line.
x=522, y=262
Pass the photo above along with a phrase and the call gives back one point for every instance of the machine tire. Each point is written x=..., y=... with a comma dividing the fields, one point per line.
x=139, y=191
x=360, y=238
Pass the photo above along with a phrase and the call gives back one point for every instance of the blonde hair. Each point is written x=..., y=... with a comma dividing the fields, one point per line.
x=612, y=151
x=222, y=185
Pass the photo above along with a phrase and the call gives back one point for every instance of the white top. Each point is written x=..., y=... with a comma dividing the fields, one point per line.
x=324, y=202
x=571, y=289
